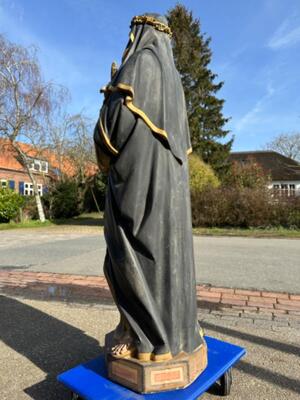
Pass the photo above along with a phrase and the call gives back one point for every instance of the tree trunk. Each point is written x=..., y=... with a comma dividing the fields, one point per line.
x=37, y=197
x=40, y=208
x=95, y=200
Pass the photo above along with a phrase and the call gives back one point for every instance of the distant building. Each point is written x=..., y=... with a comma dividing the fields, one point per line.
x=284, y=171
x=44, y=166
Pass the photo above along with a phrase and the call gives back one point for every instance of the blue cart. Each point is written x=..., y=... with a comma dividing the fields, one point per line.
x=89, y=381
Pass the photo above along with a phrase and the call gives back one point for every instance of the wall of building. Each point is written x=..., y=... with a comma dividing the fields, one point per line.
x=19, y=180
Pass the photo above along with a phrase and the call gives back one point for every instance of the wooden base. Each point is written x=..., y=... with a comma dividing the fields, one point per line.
x=150, y=376
x=90, y=381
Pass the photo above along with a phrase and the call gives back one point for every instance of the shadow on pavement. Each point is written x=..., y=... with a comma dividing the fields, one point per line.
x=273, y=344
x=260, y=372
x=51, y=344
x=269, y=376
x=54, y=346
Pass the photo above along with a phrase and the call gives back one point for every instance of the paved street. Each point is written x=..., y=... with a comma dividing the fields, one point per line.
x=40, y=339
x=270, y=264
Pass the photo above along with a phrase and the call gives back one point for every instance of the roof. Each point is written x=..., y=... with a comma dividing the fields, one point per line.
x=9, y=159
x=278, y=166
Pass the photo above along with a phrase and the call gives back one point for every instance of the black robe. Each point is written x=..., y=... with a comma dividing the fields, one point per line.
x=149, y=264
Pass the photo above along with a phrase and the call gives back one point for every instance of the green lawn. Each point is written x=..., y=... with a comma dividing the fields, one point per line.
x=94, y=219
x=26, y=224
x=91, y=219
x=250, y=232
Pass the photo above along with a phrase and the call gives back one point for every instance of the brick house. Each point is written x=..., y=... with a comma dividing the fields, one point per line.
x=44, y=166
x=284, y=171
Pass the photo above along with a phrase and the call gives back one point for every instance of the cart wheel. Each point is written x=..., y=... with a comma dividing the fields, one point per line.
x=226, y=381
x=75, y=396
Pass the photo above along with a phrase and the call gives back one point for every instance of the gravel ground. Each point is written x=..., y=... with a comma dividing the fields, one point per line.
x=40, y=339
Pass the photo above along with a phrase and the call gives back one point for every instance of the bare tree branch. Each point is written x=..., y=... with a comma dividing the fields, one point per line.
x=287, y=144
x=26, y=103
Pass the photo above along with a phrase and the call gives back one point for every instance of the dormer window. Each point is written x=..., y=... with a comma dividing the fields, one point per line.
x=39, y=166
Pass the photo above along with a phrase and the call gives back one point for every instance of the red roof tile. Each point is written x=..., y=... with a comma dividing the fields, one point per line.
x=9, y=159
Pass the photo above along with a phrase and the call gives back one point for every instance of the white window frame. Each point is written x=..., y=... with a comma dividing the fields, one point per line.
x=3, y=183
x=285, y=189
x=292, y=189
x=40, y=164
x=28, y=189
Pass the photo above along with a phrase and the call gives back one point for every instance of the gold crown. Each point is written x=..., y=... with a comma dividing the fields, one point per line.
x=159, y=26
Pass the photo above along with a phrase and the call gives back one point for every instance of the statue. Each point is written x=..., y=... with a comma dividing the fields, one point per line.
x=142, y=141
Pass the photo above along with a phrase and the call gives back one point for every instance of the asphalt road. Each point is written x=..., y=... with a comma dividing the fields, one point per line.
x=38, y=340
x=270, y=264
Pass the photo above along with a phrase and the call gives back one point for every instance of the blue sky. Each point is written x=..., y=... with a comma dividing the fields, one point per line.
x=255, y=44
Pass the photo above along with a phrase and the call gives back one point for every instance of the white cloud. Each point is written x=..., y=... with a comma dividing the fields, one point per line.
x=288, y=34
x=249, y=118
x=254, y=115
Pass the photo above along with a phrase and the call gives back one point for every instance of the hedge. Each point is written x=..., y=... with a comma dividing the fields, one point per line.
x=10, y=204
x=243, y=207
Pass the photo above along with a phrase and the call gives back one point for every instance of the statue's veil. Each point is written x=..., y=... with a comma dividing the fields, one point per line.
x=152, y=84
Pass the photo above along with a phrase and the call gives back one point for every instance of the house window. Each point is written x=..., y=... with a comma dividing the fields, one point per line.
x=44, y=166
x=284, y=189
x=3, y=184
x=36, y=165
x=292, y=190
x=39, y=166
x=28, y=189
x=276, y=190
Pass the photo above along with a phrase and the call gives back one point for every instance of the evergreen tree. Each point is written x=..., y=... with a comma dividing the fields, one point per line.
x=192, y=58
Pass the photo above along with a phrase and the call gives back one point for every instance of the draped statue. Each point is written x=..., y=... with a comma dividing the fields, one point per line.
x=142, y=140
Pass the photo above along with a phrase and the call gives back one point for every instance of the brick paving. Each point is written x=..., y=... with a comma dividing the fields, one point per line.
x=257, y=307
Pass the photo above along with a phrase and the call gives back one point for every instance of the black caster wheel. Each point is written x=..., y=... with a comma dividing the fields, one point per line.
x=75, y=396
x=225, y=383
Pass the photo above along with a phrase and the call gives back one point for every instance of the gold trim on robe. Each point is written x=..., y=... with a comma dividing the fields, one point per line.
x=129, y=103
x=140, y=113
x=106, y=140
